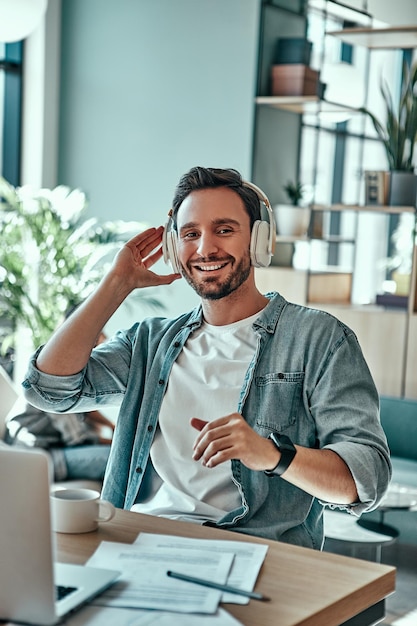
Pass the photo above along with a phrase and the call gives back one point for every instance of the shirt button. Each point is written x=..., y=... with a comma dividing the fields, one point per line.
x=138, y=470
x=150, y=428
x=161, y=381
x=177, y=344
x=281, y=375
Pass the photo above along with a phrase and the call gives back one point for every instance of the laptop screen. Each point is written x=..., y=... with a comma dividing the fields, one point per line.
x=8, y=398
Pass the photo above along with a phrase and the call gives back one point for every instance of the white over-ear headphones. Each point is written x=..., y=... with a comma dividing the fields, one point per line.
x=262, y=243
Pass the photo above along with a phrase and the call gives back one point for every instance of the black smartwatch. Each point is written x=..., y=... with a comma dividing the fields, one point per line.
x=288, y=452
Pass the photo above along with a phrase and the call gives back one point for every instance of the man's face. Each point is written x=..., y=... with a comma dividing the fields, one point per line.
x=213, y=242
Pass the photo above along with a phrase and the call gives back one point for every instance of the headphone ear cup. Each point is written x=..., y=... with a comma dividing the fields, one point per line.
x=259, y=244
x=171, y=251
x=165, y=253
x=169, y=247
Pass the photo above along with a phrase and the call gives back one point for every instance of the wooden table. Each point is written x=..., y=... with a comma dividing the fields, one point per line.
x=306, y=587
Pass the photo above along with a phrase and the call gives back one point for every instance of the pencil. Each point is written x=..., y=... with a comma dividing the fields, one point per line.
x=225, y=588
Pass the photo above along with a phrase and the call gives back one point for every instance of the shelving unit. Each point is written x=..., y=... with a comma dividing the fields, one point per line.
x=316, y=234
x=387, y=335
x=402, y=37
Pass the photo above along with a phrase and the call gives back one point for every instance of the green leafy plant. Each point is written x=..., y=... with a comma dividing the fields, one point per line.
x=398, y=133
x=51, y=256
x=294, y=191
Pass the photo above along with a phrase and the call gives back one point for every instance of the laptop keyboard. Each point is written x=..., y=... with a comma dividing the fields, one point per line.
x=62, y=592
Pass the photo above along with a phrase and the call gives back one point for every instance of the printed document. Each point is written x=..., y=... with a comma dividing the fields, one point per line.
x=103, y=616
x=144, y=583
x=246, y=564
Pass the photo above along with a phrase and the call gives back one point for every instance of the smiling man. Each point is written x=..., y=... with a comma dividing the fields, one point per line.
x=249, y=413
x=213, y=242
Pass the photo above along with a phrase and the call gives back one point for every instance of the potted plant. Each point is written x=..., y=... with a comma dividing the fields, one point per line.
x=292, y=219
x=51, y=257
x=294, y=191
x=398, y=135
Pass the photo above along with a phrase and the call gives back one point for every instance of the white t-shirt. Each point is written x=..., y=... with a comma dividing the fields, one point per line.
x=205, y=382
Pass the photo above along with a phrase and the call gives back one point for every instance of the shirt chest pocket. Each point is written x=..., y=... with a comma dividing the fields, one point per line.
x=279, y=397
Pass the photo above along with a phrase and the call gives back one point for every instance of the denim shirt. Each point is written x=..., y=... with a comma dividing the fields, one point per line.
x=308, y=379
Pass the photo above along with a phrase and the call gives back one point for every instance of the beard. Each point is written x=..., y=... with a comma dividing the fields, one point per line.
x=215, y=288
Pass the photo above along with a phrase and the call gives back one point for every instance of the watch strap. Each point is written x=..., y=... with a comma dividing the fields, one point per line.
x=287, y=450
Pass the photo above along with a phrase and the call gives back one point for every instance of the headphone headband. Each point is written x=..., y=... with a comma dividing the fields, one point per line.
x=261, y=195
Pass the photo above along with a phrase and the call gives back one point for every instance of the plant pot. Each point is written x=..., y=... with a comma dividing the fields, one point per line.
x=292, y=50
x=295, y=80
x=402, y=283
x=402, y=188
x=291, y=221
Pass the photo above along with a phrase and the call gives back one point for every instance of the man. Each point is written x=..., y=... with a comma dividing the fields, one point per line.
x=247, y=413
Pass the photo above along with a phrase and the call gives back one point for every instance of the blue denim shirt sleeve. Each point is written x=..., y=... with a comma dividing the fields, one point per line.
x=102, y=382
x=330, y=396
x=345, y=405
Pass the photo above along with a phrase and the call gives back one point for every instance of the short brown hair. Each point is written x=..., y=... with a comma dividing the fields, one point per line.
x=210, y=178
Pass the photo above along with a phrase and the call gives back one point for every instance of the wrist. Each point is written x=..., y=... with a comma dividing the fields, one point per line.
x=273, y=458
x=114, y=289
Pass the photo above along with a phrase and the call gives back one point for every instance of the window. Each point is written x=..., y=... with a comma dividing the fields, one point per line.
x=10, y=143
x=10, y=110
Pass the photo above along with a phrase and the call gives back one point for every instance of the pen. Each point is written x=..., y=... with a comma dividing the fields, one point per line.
x=225, y=588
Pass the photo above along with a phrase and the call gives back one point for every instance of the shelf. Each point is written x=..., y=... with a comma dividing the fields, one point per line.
x=291, y=238
x=384, y=38
x=392, y=301
x=304, y=104
x=330, y=270
x=369, y=208
x=333, y=239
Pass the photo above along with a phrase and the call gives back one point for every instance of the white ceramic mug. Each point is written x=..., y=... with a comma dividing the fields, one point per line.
x=78, y=510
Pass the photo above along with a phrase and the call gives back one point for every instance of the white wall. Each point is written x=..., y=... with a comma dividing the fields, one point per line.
x=150, y=88
x=396, y=13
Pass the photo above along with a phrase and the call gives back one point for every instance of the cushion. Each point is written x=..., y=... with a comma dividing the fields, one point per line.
x=399, y=421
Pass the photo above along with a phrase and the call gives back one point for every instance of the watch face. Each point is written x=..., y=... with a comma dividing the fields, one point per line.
x=282, y=441
x=288, y=452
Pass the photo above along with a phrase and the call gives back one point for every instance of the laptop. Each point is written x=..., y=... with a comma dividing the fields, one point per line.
x=8, y=398
x=29, y=578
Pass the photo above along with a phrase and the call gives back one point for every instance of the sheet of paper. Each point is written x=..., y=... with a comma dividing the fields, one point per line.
x=103, y=616
x=144, y=583
x=246, y=565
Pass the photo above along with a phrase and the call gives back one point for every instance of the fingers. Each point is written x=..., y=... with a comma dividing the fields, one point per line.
x=229, y=438
x=214, y=443
x=145, y=242
x=137, y=256
x=197, y=423
x=152, y=233
x=149, y=257
x=156, y=279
